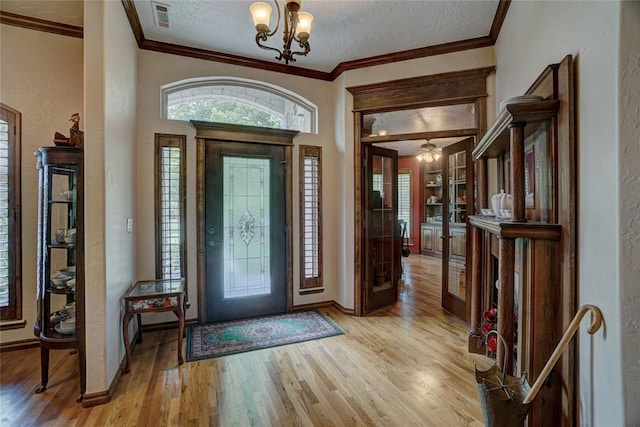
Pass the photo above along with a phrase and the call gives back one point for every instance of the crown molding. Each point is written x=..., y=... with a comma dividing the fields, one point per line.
x=498, y=19
x=406, y=55
x=242, y=61
x=41, y=25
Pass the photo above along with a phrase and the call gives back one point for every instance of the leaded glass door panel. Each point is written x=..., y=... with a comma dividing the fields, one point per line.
x=245, y=245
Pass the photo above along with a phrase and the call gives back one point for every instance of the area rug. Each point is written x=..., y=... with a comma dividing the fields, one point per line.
x=238, y=336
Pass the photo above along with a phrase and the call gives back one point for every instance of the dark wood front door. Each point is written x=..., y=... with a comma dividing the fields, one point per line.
x=245, y=230
x=381, y=228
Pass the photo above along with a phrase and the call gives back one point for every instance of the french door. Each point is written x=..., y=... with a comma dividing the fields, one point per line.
x=381, y=229
x=457, y=206
x=245, y=230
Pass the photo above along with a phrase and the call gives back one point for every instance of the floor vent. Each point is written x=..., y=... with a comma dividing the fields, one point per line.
x=161, y=14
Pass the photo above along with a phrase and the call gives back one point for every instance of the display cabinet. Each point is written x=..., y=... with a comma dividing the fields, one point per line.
x=524, y=266
x=60, y=320
x=433, y=181
x=457, y=181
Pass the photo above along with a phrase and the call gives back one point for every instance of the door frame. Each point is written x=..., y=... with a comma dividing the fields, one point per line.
x=468, y=86
x=208, y=132
x=461, y=309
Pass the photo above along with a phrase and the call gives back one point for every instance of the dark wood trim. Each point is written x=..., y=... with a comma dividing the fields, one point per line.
x=136, y=27
x=411, y=82
x=311, y=291
x=243, y=133
x=344, y=310
x=406, y=55
x=437, y=89
x=16, y=324
x=358, y=183
x=421, y=135
x=227, y=58
x=396, y=95
x=41, y=25
x=288, y=156
x=498, y=20
x=19, y=345
x=100, y=398
x=200, y=226
x=313, y=306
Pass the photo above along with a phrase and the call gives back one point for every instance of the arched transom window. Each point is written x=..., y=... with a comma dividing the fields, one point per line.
x=238, y=101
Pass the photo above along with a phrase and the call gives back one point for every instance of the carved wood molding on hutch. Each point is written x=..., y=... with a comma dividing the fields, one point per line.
x=532, y=254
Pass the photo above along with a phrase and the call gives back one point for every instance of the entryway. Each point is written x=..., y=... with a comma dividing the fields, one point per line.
x=244, y=221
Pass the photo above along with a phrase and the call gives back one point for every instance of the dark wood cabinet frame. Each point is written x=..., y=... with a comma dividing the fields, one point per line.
x=469, y=86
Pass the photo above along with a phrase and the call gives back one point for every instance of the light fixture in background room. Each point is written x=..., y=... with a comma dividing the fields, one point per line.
x=297, y=27
x=429, y=152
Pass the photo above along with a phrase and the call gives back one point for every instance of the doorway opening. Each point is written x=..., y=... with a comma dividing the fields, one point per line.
x=413, y=112
x=243, y=193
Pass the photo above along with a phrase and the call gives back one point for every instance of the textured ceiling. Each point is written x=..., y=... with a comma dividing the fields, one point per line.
x=342, y=31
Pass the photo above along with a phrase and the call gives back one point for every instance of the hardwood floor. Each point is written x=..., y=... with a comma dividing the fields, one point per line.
x=406, y=365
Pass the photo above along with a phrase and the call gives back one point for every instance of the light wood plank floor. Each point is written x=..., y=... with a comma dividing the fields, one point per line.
x=402, y=366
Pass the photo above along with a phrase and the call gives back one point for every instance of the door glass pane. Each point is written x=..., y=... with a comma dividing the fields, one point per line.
x=457, y=227
x=246, y=224
x=382, y=223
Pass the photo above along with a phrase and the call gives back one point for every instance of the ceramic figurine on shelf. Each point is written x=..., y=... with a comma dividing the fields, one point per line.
x=76, y=136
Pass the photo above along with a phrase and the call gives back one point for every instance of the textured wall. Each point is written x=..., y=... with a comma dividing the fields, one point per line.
x=629, y=122
x=534, y=35
x=41, y=77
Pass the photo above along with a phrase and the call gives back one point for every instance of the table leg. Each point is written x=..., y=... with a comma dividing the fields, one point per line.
x=139, y=317
x=44, y=366
x=180, y=314
x=127, y=346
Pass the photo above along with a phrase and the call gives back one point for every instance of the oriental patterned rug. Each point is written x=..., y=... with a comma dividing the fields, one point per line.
x=238, y=336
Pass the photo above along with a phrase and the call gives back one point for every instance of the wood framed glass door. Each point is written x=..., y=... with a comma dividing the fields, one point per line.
x=245, y=230
x=457, y=206
x=381, y=230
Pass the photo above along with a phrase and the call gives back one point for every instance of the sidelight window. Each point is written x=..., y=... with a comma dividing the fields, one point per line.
x=170, y=201
x=10, y=229
x=310, y=217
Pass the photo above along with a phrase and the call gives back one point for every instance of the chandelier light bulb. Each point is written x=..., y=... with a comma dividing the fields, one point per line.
x=261, y=13
x=303, y=30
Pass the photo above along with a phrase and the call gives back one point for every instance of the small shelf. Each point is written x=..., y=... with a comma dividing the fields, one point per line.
x=496, y=141
x=514, y=230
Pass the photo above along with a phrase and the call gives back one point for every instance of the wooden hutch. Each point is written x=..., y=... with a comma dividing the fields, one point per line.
x=525, y=265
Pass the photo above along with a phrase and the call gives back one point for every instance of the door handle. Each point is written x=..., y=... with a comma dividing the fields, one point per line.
x=213, y=244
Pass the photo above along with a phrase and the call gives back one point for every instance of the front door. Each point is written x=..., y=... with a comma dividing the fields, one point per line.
x=457, y=206
x=381, y=229
x=245, y=227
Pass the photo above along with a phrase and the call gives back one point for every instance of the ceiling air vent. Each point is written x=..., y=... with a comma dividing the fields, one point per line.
x=161, y=14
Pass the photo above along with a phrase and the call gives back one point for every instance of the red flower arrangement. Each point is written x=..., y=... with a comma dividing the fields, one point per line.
x=489, y=323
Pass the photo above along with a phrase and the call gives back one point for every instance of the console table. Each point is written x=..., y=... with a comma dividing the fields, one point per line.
x=153, y=296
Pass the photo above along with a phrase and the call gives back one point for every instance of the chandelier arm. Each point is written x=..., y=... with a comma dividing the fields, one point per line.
x=277, y=22
x=305, y=46
x=263, y=37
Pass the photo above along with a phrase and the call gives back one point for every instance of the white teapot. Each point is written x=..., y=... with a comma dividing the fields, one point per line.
x=501, y=201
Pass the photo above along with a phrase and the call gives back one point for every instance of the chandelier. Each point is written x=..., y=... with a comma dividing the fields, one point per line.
x=429, y=152
x=297, y=26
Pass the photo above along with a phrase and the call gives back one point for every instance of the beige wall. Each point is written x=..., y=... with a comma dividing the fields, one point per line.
x=110, y=99
x=41, y=77
x=534, y=35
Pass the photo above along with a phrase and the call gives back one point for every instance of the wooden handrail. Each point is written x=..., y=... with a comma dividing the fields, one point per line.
x=596, y=322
